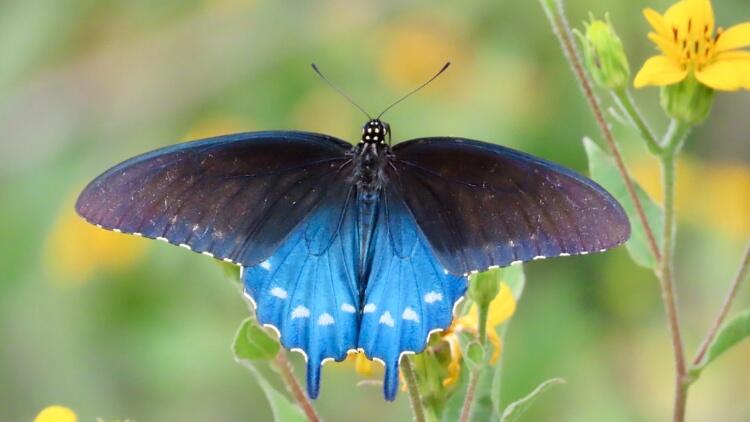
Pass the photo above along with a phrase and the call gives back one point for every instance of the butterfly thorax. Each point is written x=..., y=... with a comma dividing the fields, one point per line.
x=370, y=157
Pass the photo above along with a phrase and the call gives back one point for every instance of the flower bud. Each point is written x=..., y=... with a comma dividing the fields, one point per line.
x=483, y=287
x=604, y=54
x=688, y=101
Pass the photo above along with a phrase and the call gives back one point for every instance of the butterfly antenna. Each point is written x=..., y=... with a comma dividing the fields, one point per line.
x=342, y=93
x=445, y=66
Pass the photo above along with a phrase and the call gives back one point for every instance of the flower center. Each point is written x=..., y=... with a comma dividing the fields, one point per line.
x=695, y=45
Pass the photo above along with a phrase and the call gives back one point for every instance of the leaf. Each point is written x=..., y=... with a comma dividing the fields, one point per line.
x=283, y=409
x=604, y=172
x=514, y=410
x=474, y=356
x=515, y=279
x=733, y=332
x=253, y=343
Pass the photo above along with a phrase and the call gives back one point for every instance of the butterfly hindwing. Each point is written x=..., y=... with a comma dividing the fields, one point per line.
x=409, y=293
x=482, y=205
x=307, y=288
x=234, y=197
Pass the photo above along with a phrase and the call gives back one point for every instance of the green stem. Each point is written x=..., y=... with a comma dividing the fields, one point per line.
x=411, y=384
x=724, y=310
x=561, y=27
x=475, y=374
x=284, y=368
x=624, y=100
x=670, y=148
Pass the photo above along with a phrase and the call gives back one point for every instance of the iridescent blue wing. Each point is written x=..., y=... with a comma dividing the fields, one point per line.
x=233, y=197
x=307, y=289
x=482, y=205
x=409, y=292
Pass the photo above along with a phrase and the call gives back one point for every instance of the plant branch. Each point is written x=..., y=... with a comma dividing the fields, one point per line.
x=724, y=310
x=667, y=284
x=474, y=378
x=284, y=368
x=624, y=100
x=561, y=27
x=411, y=384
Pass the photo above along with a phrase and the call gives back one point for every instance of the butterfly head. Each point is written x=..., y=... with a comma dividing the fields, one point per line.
x=375, y=132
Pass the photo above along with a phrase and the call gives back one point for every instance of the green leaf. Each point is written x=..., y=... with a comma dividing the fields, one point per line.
x=474, y=355
x=252, y=342
x=604, y=172
x=283, y=410
x=733, y=332
x=514, y=410
x=514, y=277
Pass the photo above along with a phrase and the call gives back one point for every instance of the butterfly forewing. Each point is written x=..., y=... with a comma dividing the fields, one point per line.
x=235, y=197
x=482, y=205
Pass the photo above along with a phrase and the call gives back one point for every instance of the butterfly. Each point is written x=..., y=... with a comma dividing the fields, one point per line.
x=362, y=247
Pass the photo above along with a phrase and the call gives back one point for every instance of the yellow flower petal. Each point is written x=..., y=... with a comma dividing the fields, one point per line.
x=737, y=36
x=677, y=13
x=659, y=70
x=56, y=414
x=729, y=71
x=494, y=339
x=362, y=365
x=657, y=22
x=667, y=47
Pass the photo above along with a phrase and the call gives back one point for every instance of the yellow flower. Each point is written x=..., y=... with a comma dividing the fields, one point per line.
x=362, y=365
x=56, y=414
x=500, y=310
x=685, y=36
x=76, y=250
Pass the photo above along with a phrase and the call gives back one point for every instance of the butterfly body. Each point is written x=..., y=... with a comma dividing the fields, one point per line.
x=362, y=247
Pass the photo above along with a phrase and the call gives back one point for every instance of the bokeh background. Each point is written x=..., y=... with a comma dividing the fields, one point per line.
x=117, y=327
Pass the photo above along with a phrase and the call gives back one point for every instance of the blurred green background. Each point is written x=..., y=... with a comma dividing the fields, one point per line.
x=117, y=327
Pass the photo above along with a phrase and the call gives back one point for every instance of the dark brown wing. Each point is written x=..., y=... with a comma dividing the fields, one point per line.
x=234, y=197
x=482, y=205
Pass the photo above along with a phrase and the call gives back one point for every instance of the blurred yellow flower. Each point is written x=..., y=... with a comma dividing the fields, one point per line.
x=501, y=309
x=76, y=250
x=685, y=36
x=362, y=365
x=712, y=182
x=56, y=414
x=414, y=51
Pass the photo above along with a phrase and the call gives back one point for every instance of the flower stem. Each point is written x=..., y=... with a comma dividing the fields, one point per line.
x=411, y=384
x=561, y=27
x=670, y=148
x=724, y=310
x=284, y=368
x=624, y=100
x=474, y=377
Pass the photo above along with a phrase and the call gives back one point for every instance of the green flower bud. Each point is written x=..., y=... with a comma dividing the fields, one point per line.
x=604, y=54
x=688, y=101
x=483, y=287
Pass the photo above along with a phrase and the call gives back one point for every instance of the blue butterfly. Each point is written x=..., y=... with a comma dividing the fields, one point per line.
x=363, y=247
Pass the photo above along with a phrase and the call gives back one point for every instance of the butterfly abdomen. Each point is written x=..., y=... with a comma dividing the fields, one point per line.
x=368, y=174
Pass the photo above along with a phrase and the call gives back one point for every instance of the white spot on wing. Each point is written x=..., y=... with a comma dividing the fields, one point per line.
x=433, y=297
x=369, y=308
x=325, y=319
x=266, y=265
x=300, y=312
x=387, y=319
x=163, y=239
x=410, y=315
x=538, y=257
x=186, y=246
x=279, y=292
x=348, y=308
